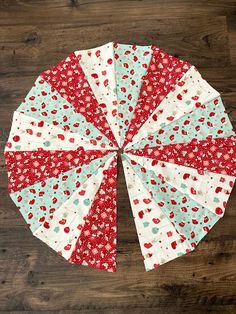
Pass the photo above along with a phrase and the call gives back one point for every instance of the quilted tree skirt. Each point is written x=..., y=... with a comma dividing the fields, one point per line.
x=178, y=145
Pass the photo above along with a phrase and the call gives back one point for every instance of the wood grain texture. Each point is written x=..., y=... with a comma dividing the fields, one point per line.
x=34, y=35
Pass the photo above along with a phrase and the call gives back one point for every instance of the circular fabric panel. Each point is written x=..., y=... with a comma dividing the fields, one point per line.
x=178, y=155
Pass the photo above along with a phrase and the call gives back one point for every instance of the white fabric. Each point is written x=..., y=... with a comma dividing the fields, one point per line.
x=99, y=67
x=172, y=107
x=72, y=214
x=209, y=189
x=149, y=219
x=35, y=134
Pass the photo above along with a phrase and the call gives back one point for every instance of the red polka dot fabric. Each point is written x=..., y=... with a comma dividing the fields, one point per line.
x=179, y=153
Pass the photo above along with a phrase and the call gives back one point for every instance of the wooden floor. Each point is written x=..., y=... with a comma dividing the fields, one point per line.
x=34, y=35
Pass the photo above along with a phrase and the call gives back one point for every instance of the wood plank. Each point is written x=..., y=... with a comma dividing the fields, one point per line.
x=84, y=12
x=201, y=41
x=40, y=270
x=231, y=22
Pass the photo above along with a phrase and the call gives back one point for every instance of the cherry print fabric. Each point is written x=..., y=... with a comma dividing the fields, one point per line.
x=191, y=220
x=208, y=121
x=179, y=154
x=159, y=240
x=207, y=188
x=68, y=222
x=98, y=65
x=163, y=74
x=217, y=155
x=44, y=103
x=68, y=78
x=96, y=246
x=39, y=201
x=131, y=64
x=191, y=92
x=28, y=167
x=28, y=133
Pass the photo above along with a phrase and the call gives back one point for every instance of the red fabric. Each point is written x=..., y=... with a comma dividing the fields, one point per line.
x=215, y=155
x=163, y=73
x=69, y=80
x=96, y=246
x=29, y=167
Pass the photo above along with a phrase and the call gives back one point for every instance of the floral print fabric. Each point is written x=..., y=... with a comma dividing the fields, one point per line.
x=179, y=152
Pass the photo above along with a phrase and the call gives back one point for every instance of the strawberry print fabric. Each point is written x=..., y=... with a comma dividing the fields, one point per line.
x=163, y=73
x=131, y=63
x=98, y=65
x=179, y=154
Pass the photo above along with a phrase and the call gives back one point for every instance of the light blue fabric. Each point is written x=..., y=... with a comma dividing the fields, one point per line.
x=57, y=109
x=124, y=79
x=66, y=181
x=160, y=196
x=205, y=128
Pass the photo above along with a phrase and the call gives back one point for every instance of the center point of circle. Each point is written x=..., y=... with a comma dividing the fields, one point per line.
x=120, y=151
